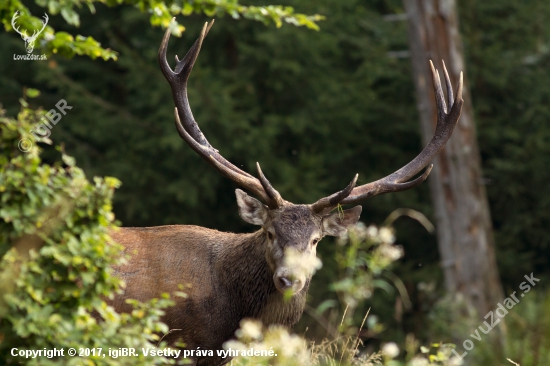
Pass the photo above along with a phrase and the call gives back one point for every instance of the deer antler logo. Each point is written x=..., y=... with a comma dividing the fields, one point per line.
x=29, y=41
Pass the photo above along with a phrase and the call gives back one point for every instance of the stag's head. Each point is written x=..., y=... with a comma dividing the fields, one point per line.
x=292, y=231
x=29, y=40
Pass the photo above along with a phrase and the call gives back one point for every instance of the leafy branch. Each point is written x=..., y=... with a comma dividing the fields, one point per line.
x=162, y=12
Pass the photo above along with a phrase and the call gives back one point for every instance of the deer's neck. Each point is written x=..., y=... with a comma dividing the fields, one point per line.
x=250, y=279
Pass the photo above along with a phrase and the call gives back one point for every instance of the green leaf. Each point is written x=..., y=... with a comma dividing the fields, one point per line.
x=32, y=93
x=70, y=16
x=326, y=304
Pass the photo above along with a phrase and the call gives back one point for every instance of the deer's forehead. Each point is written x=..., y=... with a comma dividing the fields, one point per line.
x=295, y=221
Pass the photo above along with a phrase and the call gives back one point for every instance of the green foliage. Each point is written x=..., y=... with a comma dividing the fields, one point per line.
x=527, y=337
x=362, y=259
x=372, y=246
x=55, y=259
x=523, y=335
x=50, y=41
x=258, y=94
x=314, y=108
x=162, y=12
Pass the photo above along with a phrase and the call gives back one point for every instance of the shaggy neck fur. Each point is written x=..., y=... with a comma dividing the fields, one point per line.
x=244, y=271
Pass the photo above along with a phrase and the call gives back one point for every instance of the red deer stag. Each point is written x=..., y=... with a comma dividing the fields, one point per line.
x=236, y=276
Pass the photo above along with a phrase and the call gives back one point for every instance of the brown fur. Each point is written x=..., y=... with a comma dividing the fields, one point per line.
x=230, y=276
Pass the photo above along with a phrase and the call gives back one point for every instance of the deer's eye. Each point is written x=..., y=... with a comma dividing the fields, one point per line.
x=315, y=241
x=270, y=235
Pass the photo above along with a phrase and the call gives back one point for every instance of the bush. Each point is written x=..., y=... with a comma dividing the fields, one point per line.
x=55, y=255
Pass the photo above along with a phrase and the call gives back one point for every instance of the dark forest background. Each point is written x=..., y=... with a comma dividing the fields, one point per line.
x=313, y=108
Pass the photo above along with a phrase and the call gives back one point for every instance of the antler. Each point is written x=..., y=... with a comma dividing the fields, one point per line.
x=446, y=122
x=15, y=28
x=190, y=131
x=24, y=33
x=326, y=204
x=37, y=32
x=447, y=118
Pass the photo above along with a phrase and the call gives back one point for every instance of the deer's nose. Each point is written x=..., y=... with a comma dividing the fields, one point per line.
x=284, y=283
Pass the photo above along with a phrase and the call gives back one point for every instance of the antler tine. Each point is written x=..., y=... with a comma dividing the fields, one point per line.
x=194, y=50
x=178, y=83
x=327, y=204
x=164, y=67
x=449, y=86
x=211, y=155
x=276, y=199
x=446, y=122
x=15, y=16
x=439, y=97
x=45, y=22
x=190, y=131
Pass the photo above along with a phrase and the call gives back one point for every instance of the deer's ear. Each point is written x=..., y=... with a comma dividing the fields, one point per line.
x=336, y=224
x=250, y=209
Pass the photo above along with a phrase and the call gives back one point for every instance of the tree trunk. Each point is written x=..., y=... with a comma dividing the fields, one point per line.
x=464, y=230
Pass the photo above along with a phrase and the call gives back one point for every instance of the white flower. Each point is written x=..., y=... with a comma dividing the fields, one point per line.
x=419, y=361
x=455, y=361
x=291, y=344
x=386, y=235
x=391, y=350
x=360, y=230
x=372, y=231
x=306, y=264
x=250, y=329
x=236, y=345
x=393, y=252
